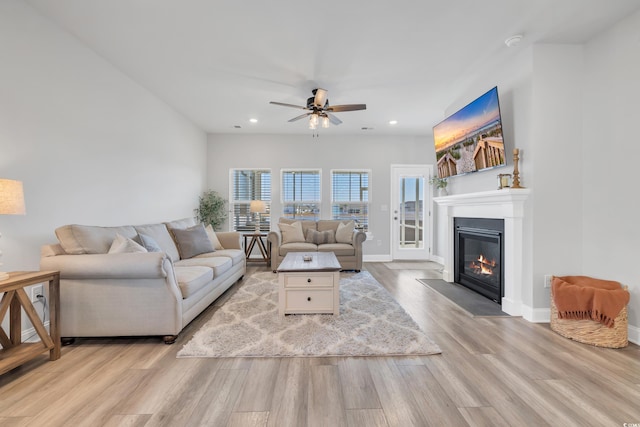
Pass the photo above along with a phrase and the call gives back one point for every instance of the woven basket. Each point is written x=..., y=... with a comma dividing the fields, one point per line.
x=591, y=332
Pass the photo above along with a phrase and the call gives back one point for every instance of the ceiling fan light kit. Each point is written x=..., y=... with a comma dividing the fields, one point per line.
x=319, y=110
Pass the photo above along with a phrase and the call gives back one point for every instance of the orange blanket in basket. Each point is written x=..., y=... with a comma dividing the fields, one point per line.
x=583, y=297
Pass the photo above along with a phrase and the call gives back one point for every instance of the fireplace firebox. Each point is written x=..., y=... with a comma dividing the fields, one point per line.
x=478, y=255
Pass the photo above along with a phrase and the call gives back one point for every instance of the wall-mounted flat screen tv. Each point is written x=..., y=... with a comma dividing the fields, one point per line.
x=470, y=140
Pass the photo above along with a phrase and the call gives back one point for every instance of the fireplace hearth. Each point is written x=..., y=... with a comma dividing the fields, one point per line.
x=478, y=256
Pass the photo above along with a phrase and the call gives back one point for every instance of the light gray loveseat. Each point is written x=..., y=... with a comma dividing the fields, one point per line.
x=140, y=293
x=316, y=237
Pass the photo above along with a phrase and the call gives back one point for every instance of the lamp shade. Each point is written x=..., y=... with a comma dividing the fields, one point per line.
x=11, y=197
x=257, y=206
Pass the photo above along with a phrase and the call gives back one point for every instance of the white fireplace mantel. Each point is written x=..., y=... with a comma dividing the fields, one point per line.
x=507, y=204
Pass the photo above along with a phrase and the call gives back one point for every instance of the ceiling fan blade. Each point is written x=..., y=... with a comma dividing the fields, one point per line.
x=301, y=116
x=346, y=107
x=333, y=119
x=288, y=105
x=320, y=97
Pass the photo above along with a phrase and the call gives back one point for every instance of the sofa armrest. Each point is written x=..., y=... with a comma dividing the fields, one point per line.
x=275, y=238
x=358, y=238
x=150, y=265
x=230, y=239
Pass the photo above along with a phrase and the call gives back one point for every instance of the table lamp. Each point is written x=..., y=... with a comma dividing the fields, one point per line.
x=11, y=203
x=257, y=207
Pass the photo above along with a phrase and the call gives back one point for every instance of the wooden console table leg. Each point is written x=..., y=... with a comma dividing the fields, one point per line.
x=54, y=317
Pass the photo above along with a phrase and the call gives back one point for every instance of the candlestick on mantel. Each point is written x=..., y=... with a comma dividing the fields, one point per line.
x=516, y=173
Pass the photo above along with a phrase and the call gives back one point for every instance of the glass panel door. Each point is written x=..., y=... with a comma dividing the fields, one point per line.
x=410, y=215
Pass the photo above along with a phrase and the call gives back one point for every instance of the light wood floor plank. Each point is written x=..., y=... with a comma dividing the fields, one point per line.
x=127, y=420
x=248, y=419
x=326, y=403
x=366, y=418
x=396, y=399
x=291, y=394
x=257, y=393
x=357, y=386
x=483, y=417
x=217, y=400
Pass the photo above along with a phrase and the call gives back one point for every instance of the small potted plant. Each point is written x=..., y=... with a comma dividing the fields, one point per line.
x=211, y=209
x=440, y=184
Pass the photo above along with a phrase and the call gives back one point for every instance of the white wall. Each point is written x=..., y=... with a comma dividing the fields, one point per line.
x=611, y=151
x=90, y=145
x=277, y=152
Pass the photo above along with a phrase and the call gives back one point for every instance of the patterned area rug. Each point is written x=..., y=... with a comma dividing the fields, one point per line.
x=371, y=323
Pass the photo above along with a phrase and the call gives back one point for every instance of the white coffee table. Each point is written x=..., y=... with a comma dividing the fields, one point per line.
x=307, y=287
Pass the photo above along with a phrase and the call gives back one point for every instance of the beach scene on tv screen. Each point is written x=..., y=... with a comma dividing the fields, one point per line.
x=470, y=139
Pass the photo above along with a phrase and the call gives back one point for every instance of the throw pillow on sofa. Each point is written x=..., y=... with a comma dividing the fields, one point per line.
x=123, y=244
x=291, y=233
x=214, y=239
x=192, y=241
x=344, y=233
x=321, y=237
x=149, y=243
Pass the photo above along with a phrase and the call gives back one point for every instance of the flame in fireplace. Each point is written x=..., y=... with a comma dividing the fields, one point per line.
x=483, y=265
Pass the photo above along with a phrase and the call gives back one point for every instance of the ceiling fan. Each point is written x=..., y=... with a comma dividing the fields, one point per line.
x=319, y=110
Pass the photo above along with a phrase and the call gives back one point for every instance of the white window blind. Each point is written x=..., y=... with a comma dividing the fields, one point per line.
x=301, y=194
x=247, y=185
x=350, y=196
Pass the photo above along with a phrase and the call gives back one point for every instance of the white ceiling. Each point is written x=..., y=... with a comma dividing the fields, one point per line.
x=220, y=62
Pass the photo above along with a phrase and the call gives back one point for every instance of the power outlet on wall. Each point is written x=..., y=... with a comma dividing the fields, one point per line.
x=35, y=291
x=547, y=280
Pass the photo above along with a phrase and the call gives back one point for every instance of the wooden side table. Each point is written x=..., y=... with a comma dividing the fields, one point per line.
x=14, y=352
x=257, y=238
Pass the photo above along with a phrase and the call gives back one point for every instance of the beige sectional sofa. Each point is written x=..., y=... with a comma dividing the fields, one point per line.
x=335, y=236
x=141, y=280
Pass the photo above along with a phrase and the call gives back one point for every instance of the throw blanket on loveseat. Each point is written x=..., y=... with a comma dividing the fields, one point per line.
x=583, y=297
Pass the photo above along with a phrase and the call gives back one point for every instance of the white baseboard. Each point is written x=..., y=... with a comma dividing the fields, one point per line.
x=377, y=258
x=30, y=335
x=536, y=315
x=634, y=334
x=438, y=259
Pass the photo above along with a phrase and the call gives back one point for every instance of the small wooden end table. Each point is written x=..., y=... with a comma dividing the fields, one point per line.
x=306, y=287
x=14, y=352
x=257, y=238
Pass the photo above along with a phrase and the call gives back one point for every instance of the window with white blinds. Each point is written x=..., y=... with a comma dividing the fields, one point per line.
x=350, y=196
x=247, y=185
x=301, y=194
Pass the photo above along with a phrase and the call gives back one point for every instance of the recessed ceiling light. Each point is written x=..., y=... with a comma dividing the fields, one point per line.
x=253, y=120
x=393, y=122
x=513, y=40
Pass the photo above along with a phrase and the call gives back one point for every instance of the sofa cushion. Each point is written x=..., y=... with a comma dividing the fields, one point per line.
x=306, y=224
x=328, y=224
x=192, y=279
x=344, y=233
x=160, y=234
x=218, y=264
x=297, y=247
x=181, y=223
x=123, y=245
x=87, y=239
x=291, y=233
x=340, y=249
x=213, y=237
x=237, y=255
x=321, y=237
x=192, y=241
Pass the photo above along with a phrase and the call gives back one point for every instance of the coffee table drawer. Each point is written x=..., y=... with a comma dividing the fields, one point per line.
x=308, y=301
x=302, y=279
